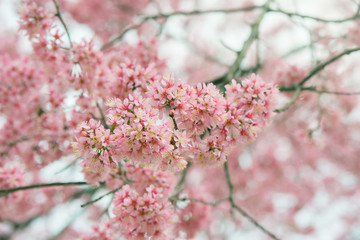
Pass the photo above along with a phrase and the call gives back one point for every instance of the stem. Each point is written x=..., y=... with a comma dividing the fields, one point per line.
x=291, y=102
x=169, y=15
x=323, y=65
x=229, y=182
x=118, y=38
x=102, y=196
x=240, y=210
x=180, y=183
x=292, y=14
x=58, y=14
x=215, y=203
x=103, y=119
x=253, y=221
x=241, y=54
x=298, y=87
x=4, y=192
x=310, y=89
x=173, y=119
x=225, y=11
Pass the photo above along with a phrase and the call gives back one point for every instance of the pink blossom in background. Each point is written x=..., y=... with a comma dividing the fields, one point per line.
x=179, y=119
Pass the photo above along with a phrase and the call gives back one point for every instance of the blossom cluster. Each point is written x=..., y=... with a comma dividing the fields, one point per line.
x=146, y=176
x=141, y=216
x=141, y=128
x=11, y=176
x=174, y=123
x=35, y=131
x=35, y=18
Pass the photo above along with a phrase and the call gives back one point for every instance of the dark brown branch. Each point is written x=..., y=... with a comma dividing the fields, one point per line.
x=240, y=210
x=225, y=11
x=291, y=102
x=4, y=192
x=233, y=71
x=215, y=203
x=126, y=30
x=298, y=87
x=169, y=15
x=180, y=184
x=174, y=122
x=311, y=89
x=293, y=14
x=323, y=65
x=102, y=196
x=103, y=118
x=58, y=14
x=253, y=221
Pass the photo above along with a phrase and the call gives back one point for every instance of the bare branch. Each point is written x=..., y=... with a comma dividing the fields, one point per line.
x=4, y=192
x=298, y=87
x=215, y=203
x=312, y=89
x=102, y=196
x=58, y=14
x=291, y=102
x=253, y=221
x=225, y=11
x=241, y=211
x=103, y=119
x=241, y=54
x=180, y=184
x=293, y=14
x=169, y=15
x=328, y=62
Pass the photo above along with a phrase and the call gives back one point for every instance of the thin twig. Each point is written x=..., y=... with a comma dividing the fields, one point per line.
x=68, y=165
x=126, y=30
x=298, y=87
x=214, y=203
x=253, y=221
x=225, y=11
x=169, y=15
x=293, y=14
x=4, y=192
x=174, y=121
x=233, y=71
x=102, y=196
x=58, y=14
x=323, y=65
x=241, y=211
x=311, y=89
x=103, y=118
x=180, y=184
x=291, y=102
x=298, y=49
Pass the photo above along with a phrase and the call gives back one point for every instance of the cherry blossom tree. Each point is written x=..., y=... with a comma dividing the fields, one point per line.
x=180, y=119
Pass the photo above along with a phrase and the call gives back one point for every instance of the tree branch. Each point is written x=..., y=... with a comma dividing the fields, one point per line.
x=293, y=14
x=169, y=15
x=312, y=89
x=215, y=203
x=58, y=14
x=102, y=196
x=4, y=192
x=103, y=118
x=240, y=210
x=291, y=102
x=298, y=87
x=323, y=65
x=225, y=11
x=241, y=54
x=180, y=184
